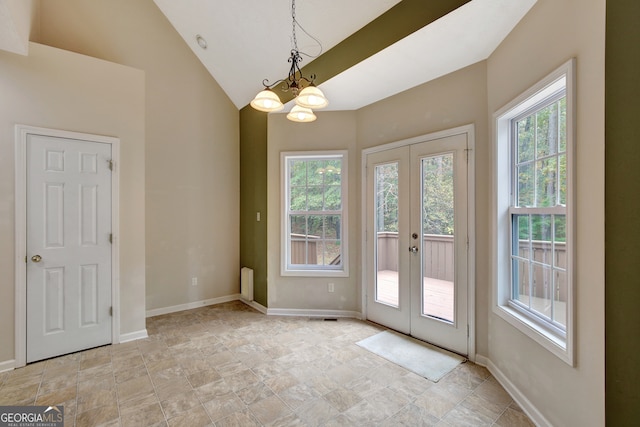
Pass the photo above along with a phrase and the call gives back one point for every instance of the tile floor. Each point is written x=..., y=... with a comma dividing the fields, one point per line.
x=228, y=365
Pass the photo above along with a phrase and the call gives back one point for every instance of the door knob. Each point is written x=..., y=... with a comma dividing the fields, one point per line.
x=413, y=249
x=36, y=258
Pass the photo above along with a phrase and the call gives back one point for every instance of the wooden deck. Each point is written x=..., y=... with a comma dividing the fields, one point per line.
x=438, y=294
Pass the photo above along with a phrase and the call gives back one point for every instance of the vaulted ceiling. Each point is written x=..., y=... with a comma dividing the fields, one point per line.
x=249, y=40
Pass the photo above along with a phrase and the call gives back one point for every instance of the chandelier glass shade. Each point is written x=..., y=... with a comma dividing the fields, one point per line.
x=306, y=95
x=301, y=114
x=311, y=97
x=267, y=100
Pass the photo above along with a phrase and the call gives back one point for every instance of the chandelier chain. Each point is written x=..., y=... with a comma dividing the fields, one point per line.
x=295, y=81
x=310, y=96
x=293, y=24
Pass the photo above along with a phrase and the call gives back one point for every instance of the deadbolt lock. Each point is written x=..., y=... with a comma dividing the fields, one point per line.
x=415, y=236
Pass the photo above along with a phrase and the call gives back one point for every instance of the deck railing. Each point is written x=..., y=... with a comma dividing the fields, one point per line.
x=304, y=249
x=437, y=253
x=439, y=260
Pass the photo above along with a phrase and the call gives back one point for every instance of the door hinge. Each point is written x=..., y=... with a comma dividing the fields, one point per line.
x=111, y=238
x=25, y=259
x=111, y=311
x=110, y=164
x=467, y=331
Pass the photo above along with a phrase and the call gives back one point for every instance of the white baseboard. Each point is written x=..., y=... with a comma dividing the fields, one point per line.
x=192, y=305
x=534, y=414
x=313, y=313
x=261, y=308
x=257, y=306
x=7, y=365
x=132, y=336
x=481, y=360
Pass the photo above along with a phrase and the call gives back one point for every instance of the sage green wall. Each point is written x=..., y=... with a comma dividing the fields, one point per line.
x=622, y=213
x=398, y=22
x=253, y=198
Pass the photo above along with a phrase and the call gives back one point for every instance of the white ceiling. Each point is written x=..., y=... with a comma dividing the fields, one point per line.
x=250, y=40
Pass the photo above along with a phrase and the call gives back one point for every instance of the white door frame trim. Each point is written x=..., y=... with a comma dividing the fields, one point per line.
x=20, y=228
x=469, y=130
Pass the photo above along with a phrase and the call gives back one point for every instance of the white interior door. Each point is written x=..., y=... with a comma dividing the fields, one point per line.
x=417, y=237
x=68, y=245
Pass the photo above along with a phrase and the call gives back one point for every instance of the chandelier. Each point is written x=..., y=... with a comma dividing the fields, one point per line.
x=306, y=95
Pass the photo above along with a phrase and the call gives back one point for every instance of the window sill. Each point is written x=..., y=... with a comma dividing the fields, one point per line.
x=551, y=342
x=314, y=273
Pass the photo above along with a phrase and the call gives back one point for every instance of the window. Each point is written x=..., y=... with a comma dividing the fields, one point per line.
x=534, y=218
x=314, y=214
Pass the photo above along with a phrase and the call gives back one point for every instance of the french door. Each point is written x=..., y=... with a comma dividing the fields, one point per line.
x=417, y=240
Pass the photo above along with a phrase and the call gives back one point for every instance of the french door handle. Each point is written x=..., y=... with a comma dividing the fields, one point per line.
x=413, y=249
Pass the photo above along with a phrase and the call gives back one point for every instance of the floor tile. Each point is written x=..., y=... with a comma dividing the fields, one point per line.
x=239, y=419
x=179, y=404
x=97, y=416
x=136, y=387
x=513, y=418
x=223, y=406
x=365, y=414
x=96, y=398
x=317, y=412
x=297, y=395
x=269, y=409
x=342, y=399
x=195, y=417
x=254, y=393
x=144, y=416
x=228, y=365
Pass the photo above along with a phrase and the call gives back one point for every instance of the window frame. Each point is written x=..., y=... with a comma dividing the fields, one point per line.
x=313, y=270
x=560, y=343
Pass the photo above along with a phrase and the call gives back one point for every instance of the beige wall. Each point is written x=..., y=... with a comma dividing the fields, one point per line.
x=18, y=20
x=448, y=102
x=332, y=131
x=454, y=100
x=192, y=150
x=567, y=396
x=563, y=394
x=55, y=89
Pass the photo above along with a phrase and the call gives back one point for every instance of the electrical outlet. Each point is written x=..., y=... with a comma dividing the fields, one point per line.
x=331, y=287
x=194, y=281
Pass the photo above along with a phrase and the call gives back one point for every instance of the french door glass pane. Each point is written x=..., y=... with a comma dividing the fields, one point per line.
x=438, y=255
x=386, y=220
